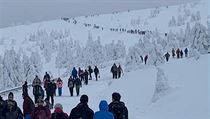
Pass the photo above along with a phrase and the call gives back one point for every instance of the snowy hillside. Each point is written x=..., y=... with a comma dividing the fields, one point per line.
x=57, y=46
x=187, y=97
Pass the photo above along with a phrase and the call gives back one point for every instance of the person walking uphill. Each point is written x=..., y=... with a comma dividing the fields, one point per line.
x=167, y=55
x=78, y=85
x=59, y=86
x=96, y=71
x=28, y=106
x=119, y=71
x=71, y=85
x=118, y=107
x=185, y=52
x=82, y=110
x=145, y=59
x=90, y=70
x=103, y=113
x=74, y=73
x=114, y=71
x=41, y=111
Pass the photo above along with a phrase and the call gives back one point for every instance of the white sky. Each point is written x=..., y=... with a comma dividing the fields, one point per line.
x=16, y=12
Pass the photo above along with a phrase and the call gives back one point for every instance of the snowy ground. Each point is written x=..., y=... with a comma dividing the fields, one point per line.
x=188, y=99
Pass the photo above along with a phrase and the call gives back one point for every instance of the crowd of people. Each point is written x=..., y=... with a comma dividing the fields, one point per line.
x=43, y=103
x=41, y=110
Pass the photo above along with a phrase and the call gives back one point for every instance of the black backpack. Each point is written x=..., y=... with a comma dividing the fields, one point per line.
x=118, y=110
x=37, y=90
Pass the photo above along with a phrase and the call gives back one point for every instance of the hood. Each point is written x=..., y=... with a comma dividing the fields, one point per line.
x=103, y=106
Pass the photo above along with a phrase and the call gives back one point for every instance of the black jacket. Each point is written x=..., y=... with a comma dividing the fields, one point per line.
x=81, y=111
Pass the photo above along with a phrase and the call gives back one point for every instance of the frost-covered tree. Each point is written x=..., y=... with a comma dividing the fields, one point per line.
x=172, y=22
x=187, y=35
x=200, y=39
x=180, y=21
x=12, y=74
x=162, y=86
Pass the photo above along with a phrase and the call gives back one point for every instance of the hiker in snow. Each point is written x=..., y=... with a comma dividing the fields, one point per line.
x=185, y=52
x=12, y=111
x=71, y=85
x=167, y=55
x=114, y=71
x=47, y=103
x=59, y=86
x=37, y=92
x=28, y=106
x=36, y=81
x=80, y=73
x=117, y=107
x=50, y=92
x=145, y=59
x=82, y=110
x=54, y=87
x=178, y=53
x=96, y=71
x=173, y=53
x=46, y=77
x=119, y=71
x=86, y=77
x=181, y=53
x=90, y=70
x=74, y=73
x=103, y=113
x=58, y=112
x=78, y=85
x=142, y=59
x=25, y=88
x=41, y=111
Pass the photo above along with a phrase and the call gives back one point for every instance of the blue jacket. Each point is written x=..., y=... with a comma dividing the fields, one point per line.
x=74, y=72
x=103, y=113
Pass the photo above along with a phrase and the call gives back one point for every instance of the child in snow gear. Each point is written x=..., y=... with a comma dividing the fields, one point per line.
x=82, y=110
x=96, y=71
x=59, y=86
x=117, y=107
x=103, y=113
x=71, y=85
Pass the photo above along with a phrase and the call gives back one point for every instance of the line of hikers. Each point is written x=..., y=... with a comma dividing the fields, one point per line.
x=178, y=53
x=41, y=110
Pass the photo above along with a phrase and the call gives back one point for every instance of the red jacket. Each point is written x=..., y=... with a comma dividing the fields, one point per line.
x=41, y=112
x=27, y=105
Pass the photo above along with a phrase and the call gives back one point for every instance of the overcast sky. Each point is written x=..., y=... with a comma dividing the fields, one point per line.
x=16, y=12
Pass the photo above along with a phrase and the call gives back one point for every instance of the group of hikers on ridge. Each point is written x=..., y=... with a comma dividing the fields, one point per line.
x=178, y=53
x=41, y=110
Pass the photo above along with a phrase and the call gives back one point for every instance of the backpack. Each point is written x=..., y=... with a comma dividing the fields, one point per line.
x=37, y=90
x=71, y=83
x=40, y=114
x=58, y=115
x=118, y=110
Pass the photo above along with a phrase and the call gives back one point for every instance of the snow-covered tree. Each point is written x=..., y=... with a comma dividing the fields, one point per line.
x=172, y=22
x=180, y=21
x=162, y=86
x=200, y=39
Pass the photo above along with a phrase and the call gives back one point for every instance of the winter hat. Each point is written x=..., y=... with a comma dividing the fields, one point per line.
x=58, y=105
x=84, y=99
x=116, y=96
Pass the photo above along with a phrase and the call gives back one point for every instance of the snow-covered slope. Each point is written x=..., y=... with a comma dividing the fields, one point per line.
x=188, y=97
